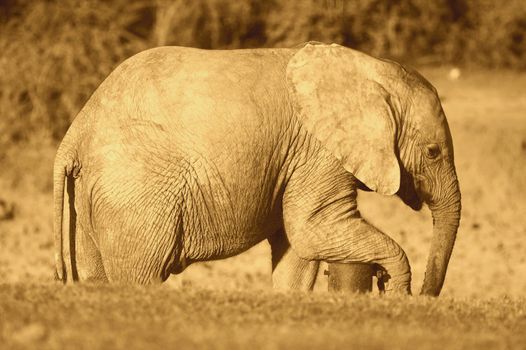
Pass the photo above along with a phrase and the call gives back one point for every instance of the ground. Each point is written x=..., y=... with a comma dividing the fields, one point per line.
x=229, y=303
x=116, y=317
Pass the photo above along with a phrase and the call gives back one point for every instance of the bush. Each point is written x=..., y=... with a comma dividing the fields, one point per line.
x=53, y=56
x=419, y=31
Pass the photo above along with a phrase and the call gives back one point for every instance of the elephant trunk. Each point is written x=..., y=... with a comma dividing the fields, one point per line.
x=446, y=218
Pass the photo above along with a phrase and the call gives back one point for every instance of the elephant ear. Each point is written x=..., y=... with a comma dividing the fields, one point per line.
x=339, y=103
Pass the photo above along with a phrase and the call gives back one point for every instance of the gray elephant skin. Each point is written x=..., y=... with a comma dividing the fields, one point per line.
x=185, y=155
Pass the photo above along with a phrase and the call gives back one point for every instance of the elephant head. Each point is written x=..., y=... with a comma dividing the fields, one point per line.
x=387, y=127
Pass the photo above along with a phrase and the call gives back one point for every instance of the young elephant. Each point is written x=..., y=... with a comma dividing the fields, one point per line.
x=185, y=155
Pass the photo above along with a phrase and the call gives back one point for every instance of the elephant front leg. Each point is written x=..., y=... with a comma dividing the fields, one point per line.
x=289, y=271
x=322, y=222
x=356, y=241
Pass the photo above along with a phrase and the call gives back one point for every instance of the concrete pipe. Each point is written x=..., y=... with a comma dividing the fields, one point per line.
x=352, y=277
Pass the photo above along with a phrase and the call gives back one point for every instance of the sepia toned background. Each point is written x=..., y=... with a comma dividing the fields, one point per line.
x=53, y=54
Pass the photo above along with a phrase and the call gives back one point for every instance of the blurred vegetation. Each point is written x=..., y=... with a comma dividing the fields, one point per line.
x=54, y=53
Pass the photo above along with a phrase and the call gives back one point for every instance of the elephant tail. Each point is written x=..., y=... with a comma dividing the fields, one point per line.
x=65, y=171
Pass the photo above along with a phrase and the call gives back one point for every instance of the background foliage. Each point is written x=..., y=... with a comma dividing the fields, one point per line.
x=54, y=53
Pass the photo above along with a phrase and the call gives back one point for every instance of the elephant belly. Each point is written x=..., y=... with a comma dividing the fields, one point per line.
x=193, y=210
x=217, y=229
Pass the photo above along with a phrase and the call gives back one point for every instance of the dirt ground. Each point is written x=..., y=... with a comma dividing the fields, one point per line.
x=487, y=115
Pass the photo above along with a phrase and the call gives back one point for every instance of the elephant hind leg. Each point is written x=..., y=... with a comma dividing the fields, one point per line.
x=88, y=259
x=133, y=268
x=141, y=254
x=289, y=271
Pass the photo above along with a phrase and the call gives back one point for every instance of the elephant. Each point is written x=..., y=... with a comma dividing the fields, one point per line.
x=184, y=155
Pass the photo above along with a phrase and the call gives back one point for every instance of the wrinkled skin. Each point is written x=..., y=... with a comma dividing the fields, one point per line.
x=185, y=155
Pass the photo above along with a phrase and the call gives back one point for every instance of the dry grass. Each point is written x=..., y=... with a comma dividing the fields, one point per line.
x=115, y=317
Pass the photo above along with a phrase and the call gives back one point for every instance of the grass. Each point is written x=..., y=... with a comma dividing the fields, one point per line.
x=50, y=316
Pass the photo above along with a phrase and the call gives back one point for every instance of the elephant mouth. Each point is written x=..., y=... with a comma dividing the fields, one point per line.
x=409, y=195
x=416, y=204
x=413, y=201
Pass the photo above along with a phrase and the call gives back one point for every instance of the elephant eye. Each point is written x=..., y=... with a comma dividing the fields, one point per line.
x=432, y=151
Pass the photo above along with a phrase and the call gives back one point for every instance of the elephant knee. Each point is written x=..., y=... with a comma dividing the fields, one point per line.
x=396, y=254
x=306, y=252
x=305, y=248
